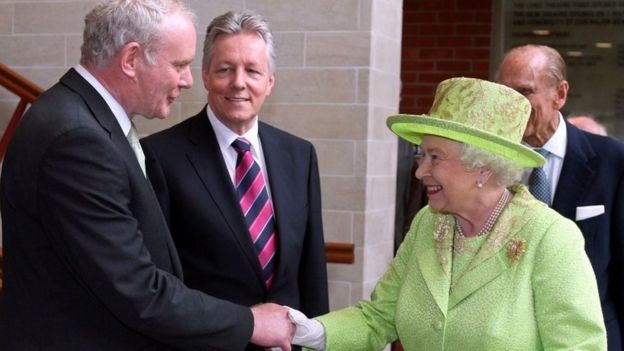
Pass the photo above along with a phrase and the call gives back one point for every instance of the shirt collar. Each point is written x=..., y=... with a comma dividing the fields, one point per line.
x=225, y=136
x=556, y=145
x=113, y=104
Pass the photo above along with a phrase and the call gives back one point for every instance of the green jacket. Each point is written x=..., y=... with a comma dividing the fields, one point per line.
x=529, y=287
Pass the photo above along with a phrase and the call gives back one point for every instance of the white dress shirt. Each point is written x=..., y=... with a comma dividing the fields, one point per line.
x=225, y=138
x=556, y=147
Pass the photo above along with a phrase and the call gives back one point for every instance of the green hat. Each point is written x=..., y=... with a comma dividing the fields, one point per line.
x=487, y=115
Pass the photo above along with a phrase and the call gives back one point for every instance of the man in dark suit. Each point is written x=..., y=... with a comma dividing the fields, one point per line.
x=89, y=261
x=585, y=172
x=194, y=166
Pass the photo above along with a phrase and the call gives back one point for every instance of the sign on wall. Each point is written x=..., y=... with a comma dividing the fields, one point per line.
x=590, y=37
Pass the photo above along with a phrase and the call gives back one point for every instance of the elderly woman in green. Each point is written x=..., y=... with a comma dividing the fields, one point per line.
x=485, y=266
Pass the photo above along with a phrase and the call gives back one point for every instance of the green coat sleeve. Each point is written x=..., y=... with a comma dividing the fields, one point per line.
x=370, y=325
x=567, y=309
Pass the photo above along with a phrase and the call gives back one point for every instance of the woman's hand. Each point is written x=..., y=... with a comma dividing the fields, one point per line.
x=308, y=332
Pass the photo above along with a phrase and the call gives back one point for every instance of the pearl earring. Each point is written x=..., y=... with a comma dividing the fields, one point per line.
x=479, y=184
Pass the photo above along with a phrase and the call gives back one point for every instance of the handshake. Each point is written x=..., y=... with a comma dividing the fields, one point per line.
x=279, y=326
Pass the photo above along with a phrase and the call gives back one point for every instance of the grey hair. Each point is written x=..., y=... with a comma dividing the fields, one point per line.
x=505, y=171
x=554, y=67
x=113, y=24
x=235, y=23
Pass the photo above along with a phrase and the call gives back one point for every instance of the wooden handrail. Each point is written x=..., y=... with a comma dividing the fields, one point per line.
x=26, y=90
x=18, y=84
x=334, y=253
x=339, y=252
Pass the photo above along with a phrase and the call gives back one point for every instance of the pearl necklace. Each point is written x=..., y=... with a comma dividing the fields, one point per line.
x=489, y=223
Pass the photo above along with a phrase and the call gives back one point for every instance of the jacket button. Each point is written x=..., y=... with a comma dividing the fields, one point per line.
x=437, y=325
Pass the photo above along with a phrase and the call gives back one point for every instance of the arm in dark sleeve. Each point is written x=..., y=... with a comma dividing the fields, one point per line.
x=86, y=199
x=158, y=180
x=313, y=268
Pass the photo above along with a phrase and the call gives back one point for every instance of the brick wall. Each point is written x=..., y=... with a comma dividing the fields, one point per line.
x=442, y=39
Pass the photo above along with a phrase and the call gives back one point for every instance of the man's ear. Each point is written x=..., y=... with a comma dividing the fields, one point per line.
x=562, y=94
x=130, y=56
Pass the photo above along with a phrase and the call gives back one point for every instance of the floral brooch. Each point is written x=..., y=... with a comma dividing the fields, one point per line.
x=515, y=249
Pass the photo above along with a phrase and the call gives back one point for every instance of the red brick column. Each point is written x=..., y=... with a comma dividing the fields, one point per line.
x=442, y=39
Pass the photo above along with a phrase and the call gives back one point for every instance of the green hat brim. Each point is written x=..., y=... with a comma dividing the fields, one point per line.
x=413, y=127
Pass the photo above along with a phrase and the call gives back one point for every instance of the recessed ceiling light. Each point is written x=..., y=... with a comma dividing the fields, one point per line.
x=574, y=53
x=604, y=45
x=541, y=32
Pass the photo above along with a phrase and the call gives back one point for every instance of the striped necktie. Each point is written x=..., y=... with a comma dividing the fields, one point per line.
x=256, y=206
x=539, y=185
x=133, y=139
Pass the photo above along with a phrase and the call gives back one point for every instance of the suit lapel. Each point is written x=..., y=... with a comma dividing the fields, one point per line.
x=279, y=159
x=435, y=259
x=576, y=173
x=205, y=157
x=492, y=258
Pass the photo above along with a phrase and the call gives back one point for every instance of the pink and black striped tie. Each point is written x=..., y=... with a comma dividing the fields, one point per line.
x=256, y=206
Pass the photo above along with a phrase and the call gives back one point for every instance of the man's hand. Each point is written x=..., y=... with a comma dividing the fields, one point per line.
x=272, y=326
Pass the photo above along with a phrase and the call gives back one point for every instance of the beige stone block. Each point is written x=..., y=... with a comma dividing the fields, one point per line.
x=387, y=17
x=289, y=48
x=6, y=18
x=60, y=17
x=189, y=109
x=33, y=50
x=322, y=121
x=7, y=107
x=298, y=15
x=197, y=93
x=343, y=193
x=378, y=226
x=339, y=294
x=377, y=259
x=314, y=86
x=363, y=83
x=382, y=158
x=199, y=50
x=72, y=49
x=384, y=89
x=380, y=192
x=351, y=273
x=361, y=157
x=43, y=77
x=359, y=228
x=147, y=126
x=386, y=54
x=338, y=49
x=6, y=94
x=207, y=10
x=338, y=226
x=378, y=128
x=366, y=20
x=336, y=157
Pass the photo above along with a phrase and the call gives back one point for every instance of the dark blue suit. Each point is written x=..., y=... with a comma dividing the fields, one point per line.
x=593, y=174
x=186, y=167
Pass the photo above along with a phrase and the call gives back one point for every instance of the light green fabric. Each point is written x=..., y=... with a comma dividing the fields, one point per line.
x=547, y=299
x=475, y=112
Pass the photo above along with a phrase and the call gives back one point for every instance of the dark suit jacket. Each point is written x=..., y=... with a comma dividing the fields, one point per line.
x=187, y=170
x=89, y=261
x=593, y=174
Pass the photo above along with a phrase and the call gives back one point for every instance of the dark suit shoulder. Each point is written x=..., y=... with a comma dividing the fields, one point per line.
x=267, y=130
x=174, y=133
